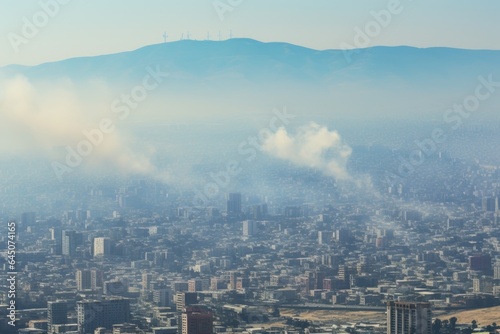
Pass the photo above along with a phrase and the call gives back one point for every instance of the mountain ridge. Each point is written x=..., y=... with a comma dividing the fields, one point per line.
x=249, y=60
x=253, y=40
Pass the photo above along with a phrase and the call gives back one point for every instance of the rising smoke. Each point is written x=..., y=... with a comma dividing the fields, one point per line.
x=51, y=120
x=313, y=146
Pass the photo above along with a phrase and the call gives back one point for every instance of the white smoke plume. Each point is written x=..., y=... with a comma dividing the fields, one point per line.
x=47, y=119
x=313, y=146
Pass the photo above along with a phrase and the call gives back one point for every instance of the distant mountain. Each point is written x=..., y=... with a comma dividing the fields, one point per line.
x=251, y=61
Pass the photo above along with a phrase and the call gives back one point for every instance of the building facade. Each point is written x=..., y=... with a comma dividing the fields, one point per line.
x=197, y=320
x=92, y=314
x=409, y=318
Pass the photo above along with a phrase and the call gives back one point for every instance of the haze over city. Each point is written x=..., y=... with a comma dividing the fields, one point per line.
x=249, y=167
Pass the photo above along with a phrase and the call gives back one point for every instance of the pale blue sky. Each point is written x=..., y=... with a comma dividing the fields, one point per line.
x=93, y=27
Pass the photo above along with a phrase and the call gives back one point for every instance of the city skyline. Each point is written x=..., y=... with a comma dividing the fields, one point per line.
x=262, y=167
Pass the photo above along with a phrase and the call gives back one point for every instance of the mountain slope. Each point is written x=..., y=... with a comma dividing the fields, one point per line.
x=254, y=61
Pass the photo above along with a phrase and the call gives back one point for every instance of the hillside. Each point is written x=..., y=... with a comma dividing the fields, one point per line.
x=484, y=316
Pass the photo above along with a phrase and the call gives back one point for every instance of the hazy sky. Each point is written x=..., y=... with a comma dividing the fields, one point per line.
x=93, y=27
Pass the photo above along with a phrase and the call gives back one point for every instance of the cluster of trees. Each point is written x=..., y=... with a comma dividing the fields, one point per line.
x=444, y=326
x=450, y=327
x=298, y=323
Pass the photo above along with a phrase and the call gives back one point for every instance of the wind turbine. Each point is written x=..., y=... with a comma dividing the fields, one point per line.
x=165, y=36
x=188, y=35
x=182, y=36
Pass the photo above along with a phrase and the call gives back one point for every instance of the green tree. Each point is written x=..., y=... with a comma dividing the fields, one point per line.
x=436, y=326
x=445, y=326
x=453, y=324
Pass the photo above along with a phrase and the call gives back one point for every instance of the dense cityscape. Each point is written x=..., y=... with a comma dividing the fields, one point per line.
x=249, y=167
x=155, y=262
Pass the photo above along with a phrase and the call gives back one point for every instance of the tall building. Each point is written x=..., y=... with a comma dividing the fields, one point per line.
x=324, y=237
x=258, y=212
x=92, y=314
x=96, y=279
x=161, y=297
x=56, y=236
x=242, y=283
x=490, y=204
x=217, y=284
x=197, y=320
x=342, y=235
x=482, y=284
x=233, y=276
x=249, y=228
x=57, y=314
x=88, y=279
x=195, y=285
x=234, y=204
x=83, y=279
x=496, y=271
x=481, y=262
x=183, y=299
x=147, y=279
x=409, y=318
x=69, y=243
x=102, y=246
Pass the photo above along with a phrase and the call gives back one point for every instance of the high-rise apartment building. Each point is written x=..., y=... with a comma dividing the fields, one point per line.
x=102, y=246
x=57, y=314
x=496, y=271
x=234, y=204
x=92, y=314
x=233, y=276
x=481, y=262
x=83, y=279
x=409, y=318
x=249, y=228
x=88, y=279
x=183, y=299
x=197, y=320
x=147, y=279
x=69, y=243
